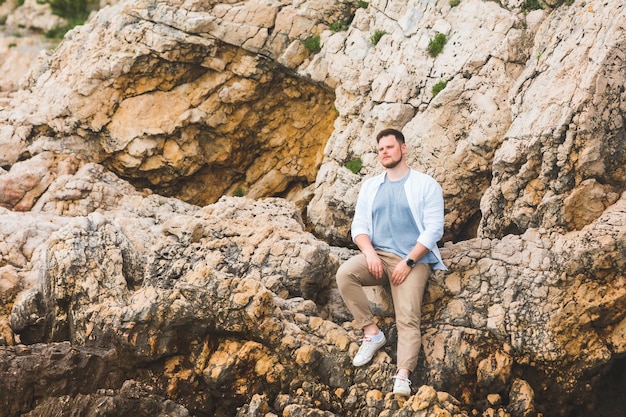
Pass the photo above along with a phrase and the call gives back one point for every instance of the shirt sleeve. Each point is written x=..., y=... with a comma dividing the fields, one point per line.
x=432, y=215
x=361, y=222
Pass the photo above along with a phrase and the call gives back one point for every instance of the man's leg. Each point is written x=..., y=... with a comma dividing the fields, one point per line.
x=351, y=277
x=407, y=301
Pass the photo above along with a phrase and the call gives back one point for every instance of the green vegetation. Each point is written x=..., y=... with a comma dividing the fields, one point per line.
x=60, y=31
x=313, y=44
x=377, y=35
x=75, y=12
x=339, y=26
x=439, y=86
x=436, y=44
x=363, y=4
x=355, y=165
x=532, y=5
x=454, y=3
x=239, y=192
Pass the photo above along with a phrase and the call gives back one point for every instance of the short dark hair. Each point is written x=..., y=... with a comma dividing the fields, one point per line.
x=390, y=132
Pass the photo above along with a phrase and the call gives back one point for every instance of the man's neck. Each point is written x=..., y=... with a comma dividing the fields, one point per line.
x=397, y=172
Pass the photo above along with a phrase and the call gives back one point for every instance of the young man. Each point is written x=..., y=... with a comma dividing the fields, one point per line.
x=397, y=223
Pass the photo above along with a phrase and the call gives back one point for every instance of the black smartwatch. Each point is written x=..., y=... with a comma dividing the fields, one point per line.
x=410, y=262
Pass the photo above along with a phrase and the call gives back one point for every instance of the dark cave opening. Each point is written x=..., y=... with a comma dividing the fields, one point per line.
x=469, y=230
x=608, y=394
x=601, y=395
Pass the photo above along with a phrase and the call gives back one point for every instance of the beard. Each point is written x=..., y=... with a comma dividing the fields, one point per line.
x=392, y=164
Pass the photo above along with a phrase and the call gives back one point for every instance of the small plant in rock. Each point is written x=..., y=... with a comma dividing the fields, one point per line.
x=355, y=165
x=313, y=44
x=436, y=44
x=375, y=38
x=75, y=12
x=339, y=26
x=362, y=4
x=439, y=86
x=58, y=32
x=533, y=5
x=454, y=3
x=239, y=192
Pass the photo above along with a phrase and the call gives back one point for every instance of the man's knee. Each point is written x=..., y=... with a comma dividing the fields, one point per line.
x=342, y=277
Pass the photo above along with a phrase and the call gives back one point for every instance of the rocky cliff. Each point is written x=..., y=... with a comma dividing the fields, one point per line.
x=175, y=199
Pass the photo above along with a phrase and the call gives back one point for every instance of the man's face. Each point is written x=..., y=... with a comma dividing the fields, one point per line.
x=390, y=152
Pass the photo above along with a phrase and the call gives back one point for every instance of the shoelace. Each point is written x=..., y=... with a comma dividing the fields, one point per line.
x=368, y=339
x=401, y=378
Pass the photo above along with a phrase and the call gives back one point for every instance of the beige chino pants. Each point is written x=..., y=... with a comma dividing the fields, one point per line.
x=407, y=297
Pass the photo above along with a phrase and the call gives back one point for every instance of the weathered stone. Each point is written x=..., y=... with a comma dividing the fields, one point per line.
x=230, y=307
x=131, y=399
x=521, y=399
x=494, y=372
x=36, y=373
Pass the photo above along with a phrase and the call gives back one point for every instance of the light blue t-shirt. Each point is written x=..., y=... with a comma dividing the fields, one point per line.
x=395, y=229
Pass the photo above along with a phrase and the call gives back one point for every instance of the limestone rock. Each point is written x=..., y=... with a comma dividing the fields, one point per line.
x=34, y=15
x=186, y=98
x=571, y=150
x=124, y=250
x=522, y=399
x=74, y=368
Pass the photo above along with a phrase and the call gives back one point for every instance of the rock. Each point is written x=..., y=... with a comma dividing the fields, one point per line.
x=175, y=121
x=34, y=15
x=121, y=239
x=494, y=372
x=132, y=398
x=521, y=399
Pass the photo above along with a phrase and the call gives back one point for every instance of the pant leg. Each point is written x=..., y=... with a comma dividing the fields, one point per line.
x=351, y=277
x=407, y=304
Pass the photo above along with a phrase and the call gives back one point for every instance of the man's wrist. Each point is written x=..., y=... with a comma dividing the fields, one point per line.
x=410, y=262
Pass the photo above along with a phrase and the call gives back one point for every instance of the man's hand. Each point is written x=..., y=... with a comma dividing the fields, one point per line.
x=400, y=272
x=374, y=264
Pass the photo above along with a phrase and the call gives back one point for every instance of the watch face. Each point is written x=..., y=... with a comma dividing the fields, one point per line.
x=410, y=262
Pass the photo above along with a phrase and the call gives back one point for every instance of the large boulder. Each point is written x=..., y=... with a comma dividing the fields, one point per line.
x=123, y=247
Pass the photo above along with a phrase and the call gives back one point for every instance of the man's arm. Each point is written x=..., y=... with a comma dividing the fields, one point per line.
x=417, y=252
x=432, y=216
x=374, y=264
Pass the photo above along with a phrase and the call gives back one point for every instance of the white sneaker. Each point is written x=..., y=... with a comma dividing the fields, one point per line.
x=402, y=386
x=368, y=348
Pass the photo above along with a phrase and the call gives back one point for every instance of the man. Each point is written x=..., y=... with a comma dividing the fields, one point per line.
x=397, y=223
